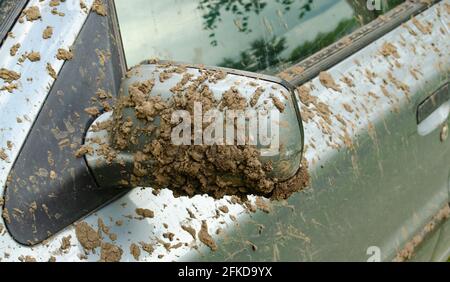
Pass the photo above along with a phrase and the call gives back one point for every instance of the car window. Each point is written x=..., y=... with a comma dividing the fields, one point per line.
x=254, y=35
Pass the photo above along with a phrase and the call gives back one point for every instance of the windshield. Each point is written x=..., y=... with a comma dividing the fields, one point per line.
x=254, y=35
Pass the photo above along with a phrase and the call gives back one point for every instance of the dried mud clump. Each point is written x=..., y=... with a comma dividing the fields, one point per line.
x=190, y=170
x=34, y=56
x=8, y=75
x=190, y=230
x=33, y=13
x=65, y=55
x=145, y=213
x=110, y=253
x=99, y=8
x=47, y=33
x=14, y=49
x=51, y=71
x=135, y=251
x=206, y=238
x=3, y=155
x=87, y=236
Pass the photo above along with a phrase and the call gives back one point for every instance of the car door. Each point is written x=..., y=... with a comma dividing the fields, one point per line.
x=374, y=105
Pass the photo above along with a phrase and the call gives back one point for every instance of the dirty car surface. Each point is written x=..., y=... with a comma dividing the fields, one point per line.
x=374, y=102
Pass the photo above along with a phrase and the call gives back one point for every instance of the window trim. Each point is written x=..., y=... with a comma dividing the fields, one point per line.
x=118, y=36
x=360, y=38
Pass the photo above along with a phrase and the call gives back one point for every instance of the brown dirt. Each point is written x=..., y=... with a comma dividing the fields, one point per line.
x=148, y=248
x=99, y=8
x=206, y=238
x=256, y=96
x=5, y=215
x=327, y=80
x=190, y=230
x=263, y=205
x=3, y=155
x=33, y=13
x=135, y=251
x=424, y=28
x=407, y=252
x=145, y=213
x=232, y=100
x=348, y=81
x=14, y=49
x=48, y=32
x=34, y=56
x=87, y=236
x=54, y=3
x=84, y=150
x=27, y=259
x=169, y=235
x=65, y=243
x=10, y=87
x=191, y=170
x=92, y=111
x=64, y=54
x=51, y=71
x=83, y=5
x=280, y=105
x=388, y=49
x=224, y=209
x=110, y=253
x=8, y=75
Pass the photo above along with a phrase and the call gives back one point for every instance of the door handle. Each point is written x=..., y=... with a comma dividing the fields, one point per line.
x=434, y=111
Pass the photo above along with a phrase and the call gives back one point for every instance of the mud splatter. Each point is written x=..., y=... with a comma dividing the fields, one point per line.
x=99, y=8
x=206, y=238
x=33, y=13
x=327, y=80
x=87, y=236
x=64, y=55
x=145, y=213
x=34, y=56
x=47, y=33
x=110, y=253
x=14, y=49
x=8, y=75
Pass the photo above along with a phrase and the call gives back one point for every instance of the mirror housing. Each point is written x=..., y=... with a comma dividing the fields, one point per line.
x=116, y=140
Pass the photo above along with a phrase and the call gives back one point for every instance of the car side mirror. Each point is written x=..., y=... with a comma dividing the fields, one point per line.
x=197, y=130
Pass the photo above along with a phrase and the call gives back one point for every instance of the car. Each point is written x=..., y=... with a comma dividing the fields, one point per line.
x=369, y=80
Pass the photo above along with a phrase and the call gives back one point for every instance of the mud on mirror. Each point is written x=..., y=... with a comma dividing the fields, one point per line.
x=200, y=130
